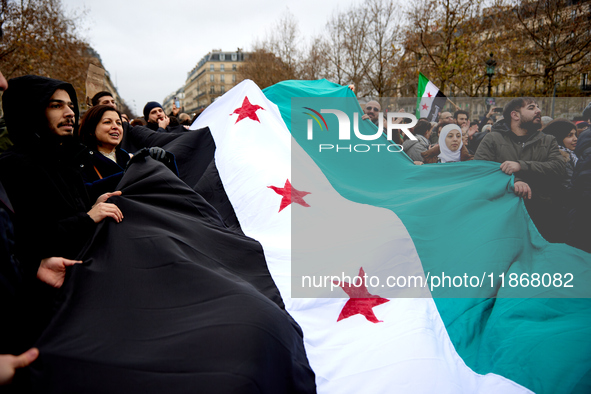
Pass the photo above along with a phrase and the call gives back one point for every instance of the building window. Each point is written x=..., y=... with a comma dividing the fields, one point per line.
x=222, y=56
x=212, y=89
x=222, y=79
x=234, y=57
x=212, y=78
x=211, y=67
x=223, y=89
x=233, y=67
x=233, y=77
x=222, y=67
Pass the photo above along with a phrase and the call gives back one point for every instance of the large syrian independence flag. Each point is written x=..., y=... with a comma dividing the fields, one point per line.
x=430, y=100
x=358, y=342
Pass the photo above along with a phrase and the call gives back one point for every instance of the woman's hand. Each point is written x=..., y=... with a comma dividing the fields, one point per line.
x=101, y=210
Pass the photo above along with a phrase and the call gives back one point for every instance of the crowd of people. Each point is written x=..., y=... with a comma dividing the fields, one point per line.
x=55, y=180
x=71, y=173
x=550, y=159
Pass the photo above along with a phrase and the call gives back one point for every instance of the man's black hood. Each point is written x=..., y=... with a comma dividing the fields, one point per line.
x=24, y=104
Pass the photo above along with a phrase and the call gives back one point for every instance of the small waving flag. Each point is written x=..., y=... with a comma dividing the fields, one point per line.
x=430, y=100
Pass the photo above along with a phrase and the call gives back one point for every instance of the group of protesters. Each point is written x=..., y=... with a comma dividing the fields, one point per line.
x=58, y=183
x=57, y=179
x=550, y=159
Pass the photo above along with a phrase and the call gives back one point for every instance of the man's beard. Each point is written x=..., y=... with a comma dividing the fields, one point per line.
x=531, y=125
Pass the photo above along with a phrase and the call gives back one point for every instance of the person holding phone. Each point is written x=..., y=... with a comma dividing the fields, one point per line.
x=489, y=119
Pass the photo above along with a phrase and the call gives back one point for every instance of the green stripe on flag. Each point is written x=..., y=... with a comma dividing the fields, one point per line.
x=423, y=81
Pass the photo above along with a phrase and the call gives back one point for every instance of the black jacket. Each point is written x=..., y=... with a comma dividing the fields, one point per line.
x=178, y=128
x=101, y=174
x=580, y=214
x=41, y=176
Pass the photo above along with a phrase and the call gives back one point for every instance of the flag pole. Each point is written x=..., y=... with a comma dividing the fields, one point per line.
x=454, y=104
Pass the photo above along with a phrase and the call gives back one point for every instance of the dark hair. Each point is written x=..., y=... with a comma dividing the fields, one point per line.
x=88, y=124
x=459, y=112
x=138, y=122
x=559, y=128
x=422, y=127
x=515, y=104
x=95, y=99
x=437, y=128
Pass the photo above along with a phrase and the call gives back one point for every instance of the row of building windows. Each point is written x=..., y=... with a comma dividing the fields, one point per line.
x=222, y=67
x=212, y=89
x=223, y=57
x=196, y=91
x=222, y=78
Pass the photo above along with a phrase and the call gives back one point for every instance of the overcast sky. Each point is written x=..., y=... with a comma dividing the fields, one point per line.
x=149, y=46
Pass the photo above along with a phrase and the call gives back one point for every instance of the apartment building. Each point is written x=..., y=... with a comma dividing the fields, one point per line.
x=214, y=74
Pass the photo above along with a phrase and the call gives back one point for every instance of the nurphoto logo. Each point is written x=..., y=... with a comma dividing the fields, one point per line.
x=344, y=130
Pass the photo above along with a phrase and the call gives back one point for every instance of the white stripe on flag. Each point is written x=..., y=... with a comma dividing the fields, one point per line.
x=427, y=99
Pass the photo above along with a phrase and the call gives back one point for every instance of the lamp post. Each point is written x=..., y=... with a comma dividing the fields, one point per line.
x=490, y=71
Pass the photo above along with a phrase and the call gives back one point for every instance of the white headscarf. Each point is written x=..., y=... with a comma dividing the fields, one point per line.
x=446, y=154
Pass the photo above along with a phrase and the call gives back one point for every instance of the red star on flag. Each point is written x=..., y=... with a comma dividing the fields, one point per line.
x=290, y=194
x=425, y=107
x=247, y=111
x=429, y=94
x=360, y=302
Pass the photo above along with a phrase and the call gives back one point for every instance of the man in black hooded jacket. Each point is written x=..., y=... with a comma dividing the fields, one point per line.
x=53, y=215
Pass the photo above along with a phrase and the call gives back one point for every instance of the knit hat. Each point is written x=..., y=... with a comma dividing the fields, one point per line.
x=149, y=107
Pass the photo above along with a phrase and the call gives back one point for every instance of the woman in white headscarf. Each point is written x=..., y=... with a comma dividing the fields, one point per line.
x=450, y=147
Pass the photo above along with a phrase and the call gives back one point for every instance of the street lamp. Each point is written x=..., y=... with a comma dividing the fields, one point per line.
x=490, y=71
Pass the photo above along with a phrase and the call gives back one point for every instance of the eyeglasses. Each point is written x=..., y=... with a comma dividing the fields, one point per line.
x=372, y=109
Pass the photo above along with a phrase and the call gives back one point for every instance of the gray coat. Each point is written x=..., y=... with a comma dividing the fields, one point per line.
x=414, y=148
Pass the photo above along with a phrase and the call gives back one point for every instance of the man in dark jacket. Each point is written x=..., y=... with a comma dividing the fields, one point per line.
x=532, y=156
x=157, y=119
x=579, y=233
x=53, y=215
